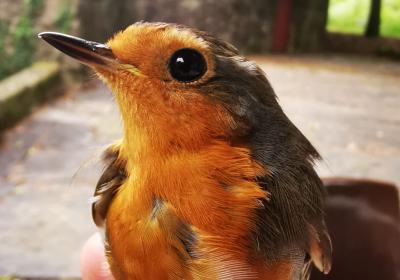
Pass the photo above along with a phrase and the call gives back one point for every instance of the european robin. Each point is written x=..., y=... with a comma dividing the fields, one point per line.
x=211, y=180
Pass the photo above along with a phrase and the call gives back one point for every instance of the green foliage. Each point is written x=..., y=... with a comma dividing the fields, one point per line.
x=64, y=18
x=4, y=31
x=33, y=8
x=348, y=16
x=351, y=16
x=17, y=47
x=390, y=13
x=24, y=44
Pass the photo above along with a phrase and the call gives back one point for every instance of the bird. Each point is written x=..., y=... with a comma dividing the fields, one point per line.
x=211, y=180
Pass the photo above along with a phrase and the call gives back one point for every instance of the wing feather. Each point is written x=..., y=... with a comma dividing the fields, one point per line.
x=112, y=178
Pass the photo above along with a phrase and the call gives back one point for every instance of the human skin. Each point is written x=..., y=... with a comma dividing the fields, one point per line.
x=93, y=261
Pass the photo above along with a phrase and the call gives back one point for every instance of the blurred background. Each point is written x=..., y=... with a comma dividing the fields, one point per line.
x=335, y=66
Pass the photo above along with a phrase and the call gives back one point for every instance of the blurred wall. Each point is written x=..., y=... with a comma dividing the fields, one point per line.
x=247, y=24
x=99, y=19
x=309, y=25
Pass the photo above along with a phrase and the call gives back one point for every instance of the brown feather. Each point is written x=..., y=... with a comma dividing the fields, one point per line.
x=112, y=178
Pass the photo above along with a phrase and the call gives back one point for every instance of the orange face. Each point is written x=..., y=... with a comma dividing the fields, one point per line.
x=160, y=86
x=150, y=47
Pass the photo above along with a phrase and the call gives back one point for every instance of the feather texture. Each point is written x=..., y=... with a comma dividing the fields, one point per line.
x=211, y=179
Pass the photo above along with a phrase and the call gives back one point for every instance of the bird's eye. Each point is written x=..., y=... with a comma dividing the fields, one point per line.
x=187, y=65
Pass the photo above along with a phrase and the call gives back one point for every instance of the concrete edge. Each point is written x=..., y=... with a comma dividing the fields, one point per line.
x=25, y=90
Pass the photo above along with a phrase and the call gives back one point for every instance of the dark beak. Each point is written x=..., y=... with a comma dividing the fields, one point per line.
x=87, y=52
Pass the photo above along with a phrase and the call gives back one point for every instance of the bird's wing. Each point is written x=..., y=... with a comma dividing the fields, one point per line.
x=320, y=248
x=290, y=224
x=112, y=178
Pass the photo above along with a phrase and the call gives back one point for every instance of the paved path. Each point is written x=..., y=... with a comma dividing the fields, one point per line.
x=48, y=164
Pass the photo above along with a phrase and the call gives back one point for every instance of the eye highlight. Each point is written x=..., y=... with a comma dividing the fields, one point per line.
x=187, y=65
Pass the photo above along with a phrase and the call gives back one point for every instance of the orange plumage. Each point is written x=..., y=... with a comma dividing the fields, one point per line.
x=188, y=179
x=189, y=191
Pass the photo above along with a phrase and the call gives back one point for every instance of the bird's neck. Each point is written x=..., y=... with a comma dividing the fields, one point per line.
x=208, y=177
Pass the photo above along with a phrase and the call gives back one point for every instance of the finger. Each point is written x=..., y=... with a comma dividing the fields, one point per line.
x=94, y=264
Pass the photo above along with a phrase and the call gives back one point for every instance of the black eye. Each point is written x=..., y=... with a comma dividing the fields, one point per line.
x=187, y=65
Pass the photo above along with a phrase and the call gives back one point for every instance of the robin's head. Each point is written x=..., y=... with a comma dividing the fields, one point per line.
x=175, y=82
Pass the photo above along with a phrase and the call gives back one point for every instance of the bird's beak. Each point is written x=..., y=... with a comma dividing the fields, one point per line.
x=90, y=53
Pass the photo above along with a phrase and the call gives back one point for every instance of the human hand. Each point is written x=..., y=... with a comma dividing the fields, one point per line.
x=94, y=264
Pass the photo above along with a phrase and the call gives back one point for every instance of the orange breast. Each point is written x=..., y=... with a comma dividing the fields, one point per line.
x=211, y=194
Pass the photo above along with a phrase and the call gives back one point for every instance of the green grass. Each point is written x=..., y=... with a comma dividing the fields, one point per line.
x=350, y=16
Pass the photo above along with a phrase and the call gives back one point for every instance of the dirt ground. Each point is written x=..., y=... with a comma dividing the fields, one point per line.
x=349, y=108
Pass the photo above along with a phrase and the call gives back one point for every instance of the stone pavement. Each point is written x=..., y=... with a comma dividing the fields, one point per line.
x=348, y=108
